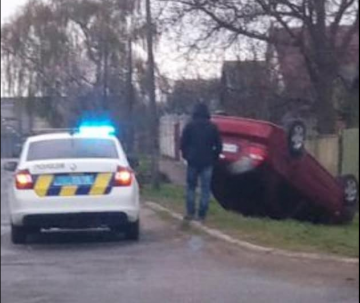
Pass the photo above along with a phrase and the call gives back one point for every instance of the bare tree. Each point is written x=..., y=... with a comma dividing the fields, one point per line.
x=154, y=124
x=73, y=51
x=322, y=30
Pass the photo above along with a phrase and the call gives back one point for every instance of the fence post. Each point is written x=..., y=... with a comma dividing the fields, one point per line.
x=177, y=141
x=341, y=152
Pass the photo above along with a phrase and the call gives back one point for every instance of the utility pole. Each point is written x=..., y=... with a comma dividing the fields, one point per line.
x=130, y=96
x=105, y=59
x=154, y=119
x=106, y=75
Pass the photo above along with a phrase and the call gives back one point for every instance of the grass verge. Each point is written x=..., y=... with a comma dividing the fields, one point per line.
x=290, y=235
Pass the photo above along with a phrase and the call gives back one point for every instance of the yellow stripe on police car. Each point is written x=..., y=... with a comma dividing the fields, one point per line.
x=101, y=184
x=43, y=184
x=68, y=191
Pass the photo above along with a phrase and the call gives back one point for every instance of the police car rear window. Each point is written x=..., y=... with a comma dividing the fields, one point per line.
x=72, y=149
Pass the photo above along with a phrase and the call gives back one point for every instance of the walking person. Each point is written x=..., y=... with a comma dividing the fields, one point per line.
x=201, y=147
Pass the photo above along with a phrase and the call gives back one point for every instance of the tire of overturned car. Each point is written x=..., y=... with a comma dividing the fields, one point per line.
x=350, y=188
x=297, y=136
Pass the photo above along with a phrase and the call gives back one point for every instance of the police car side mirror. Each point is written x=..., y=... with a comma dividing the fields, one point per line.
x=10, y=166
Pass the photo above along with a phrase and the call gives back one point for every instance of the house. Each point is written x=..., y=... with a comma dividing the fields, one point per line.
x=289, y=66
x=187, y=92
x=246, y=89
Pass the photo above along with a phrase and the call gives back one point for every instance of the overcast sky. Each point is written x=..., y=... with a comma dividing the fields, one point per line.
x=167, y=56
x=8, y=7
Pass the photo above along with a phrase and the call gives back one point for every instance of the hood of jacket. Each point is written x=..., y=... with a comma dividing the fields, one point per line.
x=201, y=112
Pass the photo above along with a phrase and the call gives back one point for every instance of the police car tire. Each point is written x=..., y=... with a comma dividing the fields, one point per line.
x=132, y=232
x=295, y=149
x=18, y=235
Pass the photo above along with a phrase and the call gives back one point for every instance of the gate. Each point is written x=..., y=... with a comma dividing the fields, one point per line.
x=9, y=144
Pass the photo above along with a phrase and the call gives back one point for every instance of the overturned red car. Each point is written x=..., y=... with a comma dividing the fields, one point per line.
x=266, y=171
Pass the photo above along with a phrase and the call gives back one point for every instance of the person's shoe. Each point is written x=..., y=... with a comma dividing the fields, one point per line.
x=188, y=218
x=201, y=220
x=186, y=223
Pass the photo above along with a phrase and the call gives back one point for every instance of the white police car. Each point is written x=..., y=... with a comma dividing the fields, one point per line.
x=74, y=180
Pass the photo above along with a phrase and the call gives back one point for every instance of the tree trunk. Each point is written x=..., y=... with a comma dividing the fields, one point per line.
x=130, y=100
x=325, y=108
x=354, y=106
x=105, y=104
x=154, y=119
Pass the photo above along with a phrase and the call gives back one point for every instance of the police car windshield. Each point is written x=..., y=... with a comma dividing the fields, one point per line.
x=78, y=148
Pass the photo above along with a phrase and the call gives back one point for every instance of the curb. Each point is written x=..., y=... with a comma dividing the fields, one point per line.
x=252, y=247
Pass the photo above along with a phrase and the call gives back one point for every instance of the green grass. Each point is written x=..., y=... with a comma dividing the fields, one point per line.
x=290, y=235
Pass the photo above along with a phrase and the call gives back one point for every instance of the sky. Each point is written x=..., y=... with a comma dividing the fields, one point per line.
x=8, y=7
x=171, y=65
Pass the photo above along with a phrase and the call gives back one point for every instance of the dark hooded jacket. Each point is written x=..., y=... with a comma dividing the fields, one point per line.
x=201, y=143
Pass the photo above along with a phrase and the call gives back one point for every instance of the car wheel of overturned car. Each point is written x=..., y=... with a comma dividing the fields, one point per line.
x=350, y=187
x=18, y=235
x=297, y=135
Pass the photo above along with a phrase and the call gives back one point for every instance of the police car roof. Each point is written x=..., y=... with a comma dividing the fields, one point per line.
x=60, y=136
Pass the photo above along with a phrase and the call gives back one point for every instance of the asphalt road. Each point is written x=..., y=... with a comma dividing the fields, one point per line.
x=168, y=266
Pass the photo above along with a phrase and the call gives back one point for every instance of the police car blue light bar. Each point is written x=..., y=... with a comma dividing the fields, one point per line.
x=97, y=130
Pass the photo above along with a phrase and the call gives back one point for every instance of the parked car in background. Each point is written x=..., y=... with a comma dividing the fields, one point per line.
x=266, y=171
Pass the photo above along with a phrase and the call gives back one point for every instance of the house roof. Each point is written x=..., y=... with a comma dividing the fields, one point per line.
x=195, y=84
x=244, y=74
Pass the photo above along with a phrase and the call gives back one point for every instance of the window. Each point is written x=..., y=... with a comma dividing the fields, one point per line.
x=72, y=149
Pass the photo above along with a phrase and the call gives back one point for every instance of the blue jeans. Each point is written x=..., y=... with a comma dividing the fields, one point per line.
x=193, y=176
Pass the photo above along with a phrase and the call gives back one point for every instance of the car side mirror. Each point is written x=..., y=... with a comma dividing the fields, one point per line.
x=134, y=161
x=10, y=166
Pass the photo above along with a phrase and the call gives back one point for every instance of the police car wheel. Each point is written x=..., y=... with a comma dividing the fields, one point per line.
x=18, y=235
x=132, y=232
x=297, y=134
